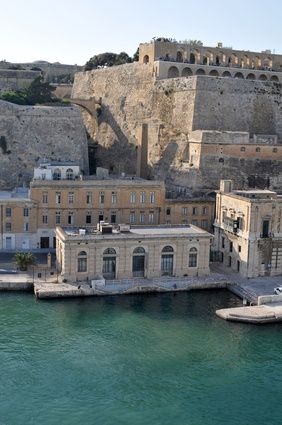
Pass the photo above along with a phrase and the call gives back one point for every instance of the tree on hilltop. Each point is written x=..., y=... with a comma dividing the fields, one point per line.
x=107, y=59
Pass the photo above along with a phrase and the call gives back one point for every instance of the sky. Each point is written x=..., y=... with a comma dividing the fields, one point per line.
x=72, y=31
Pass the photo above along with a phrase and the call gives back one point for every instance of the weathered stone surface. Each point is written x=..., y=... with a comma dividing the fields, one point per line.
x=174, y=110
x=30, y=133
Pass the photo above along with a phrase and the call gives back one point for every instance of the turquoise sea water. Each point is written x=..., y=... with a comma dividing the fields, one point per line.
x=158, y=359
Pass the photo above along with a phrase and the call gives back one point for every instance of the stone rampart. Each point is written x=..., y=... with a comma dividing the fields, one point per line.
x=16, y=80
x=30, y=133
x=174, y=109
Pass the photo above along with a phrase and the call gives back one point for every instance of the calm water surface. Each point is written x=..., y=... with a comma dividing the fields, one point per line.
x=156, y=359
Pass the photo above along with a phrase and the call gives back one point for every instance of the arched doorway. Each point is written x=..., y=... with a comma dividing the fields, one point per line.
x=109, y=263
x=167, y=261
x=193, y=257
x=57, y=174
x=173, y=72
x=82, y=262
x=192, y=58
x=138, y=262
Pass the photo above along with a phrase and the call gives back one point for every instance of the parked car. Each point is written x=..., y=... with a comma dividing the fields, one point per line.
x=278, y=290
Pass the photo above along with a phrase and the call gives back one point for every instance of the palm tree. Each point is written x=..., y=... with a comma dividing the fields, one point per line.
x=24, y=259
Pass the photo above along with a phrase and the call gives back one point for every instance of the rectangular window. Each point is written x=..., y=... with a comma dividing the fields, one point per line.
x=204, y=224
x=151, y=217
x=101, y=216
x=58, y=197
x=193, y=259
x=8, y=227
x=222, y=242
x=205, y=210
x=88, y=218
x=142, y=217
x=82, y=265
x=142, y=197
x=132, y=217
x=113, y=218
x=45, y=219
x=70, y=218
x=231, y=247
x=114, y=198
x=168, y=211
x=58, y=217
x=25, y=227
x=132, y=197
x=88, y=198
x=239, y=248
x=45, y=198
x=194, y=211
x=101, y=197
x=26, y=212
x=70, y=197
x=184, y=211
x=8, y=212
x=152, y=197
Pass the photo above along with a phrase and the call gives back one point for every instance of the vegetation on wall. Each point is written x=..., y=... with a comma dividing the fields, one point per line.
x=107, y=59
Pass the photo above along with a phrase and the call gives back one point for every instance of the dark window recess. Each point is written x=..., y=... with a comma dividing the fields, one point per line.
x=88, y=219
x=265, y=229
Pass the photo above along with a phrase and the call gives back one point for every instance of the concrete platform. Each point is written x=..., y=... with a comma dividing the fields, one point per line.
x=268, y=313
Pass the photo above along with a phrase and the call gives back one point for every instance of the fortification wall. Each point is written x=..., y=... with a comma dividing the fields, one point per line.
x=174, y=109
x=16, y=80
x=30, y=133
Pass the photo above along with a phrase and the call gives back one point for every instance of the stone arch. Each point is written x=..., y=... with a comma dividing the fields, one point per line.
x=251, y=76
x=146, y=59
x=200, y=71
x=209, y=56
x=217, y=60
x=205, y=60
x=195, y=56
x=267, y=62
x=179, y=56
x=173, y=72
x=238, y=75
x=262, y=77
x=214, y=73
x=246, y=61
x=187, y=72
x=69, y=174
x=274, y=78
x=226, y=74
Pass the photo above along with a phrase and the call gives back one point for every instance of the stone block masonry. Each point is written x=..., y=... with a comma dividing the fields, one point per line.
x=30, y=133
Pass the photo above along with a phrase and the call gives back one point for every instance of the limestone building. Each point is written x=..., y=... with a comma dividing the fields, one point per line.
x=248, y=235
x=132, y=252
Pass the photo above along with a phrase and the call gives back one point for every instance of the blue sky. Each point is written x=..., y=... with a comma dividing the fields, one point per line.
x=71, y=31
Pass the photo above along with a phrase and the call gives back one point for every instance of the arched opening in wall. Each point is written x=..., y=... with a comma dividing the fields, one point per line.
x=229, y=62
x=69, y=174
x=109, y=263
x=187, y=72
x=205, y=60
x=246, y=61
x=179, y=57
x=146, y=59
x=251, y=77
x=192, y=58
x=238, y=75
x=200, y=71
x=217, y=60
x=274, y=78
x=257, y=62
x=263, y=77
x=167, y=261
x=226, y=74
x=57, y=174
x=214, y=73
x=173, y=72
x=209, y=56
x=138, y=262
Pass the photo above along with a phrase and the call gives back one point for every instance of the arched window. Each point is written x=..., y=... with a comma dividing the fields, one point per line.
x=138, y=262
x=167, y=261
x=179, y=57
x=82, y=262
x=192, y=58
x=69, y=174
x=57, y=174
x=205, y=60
x=193, y=257
x=109, y=263
x=146, y=59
